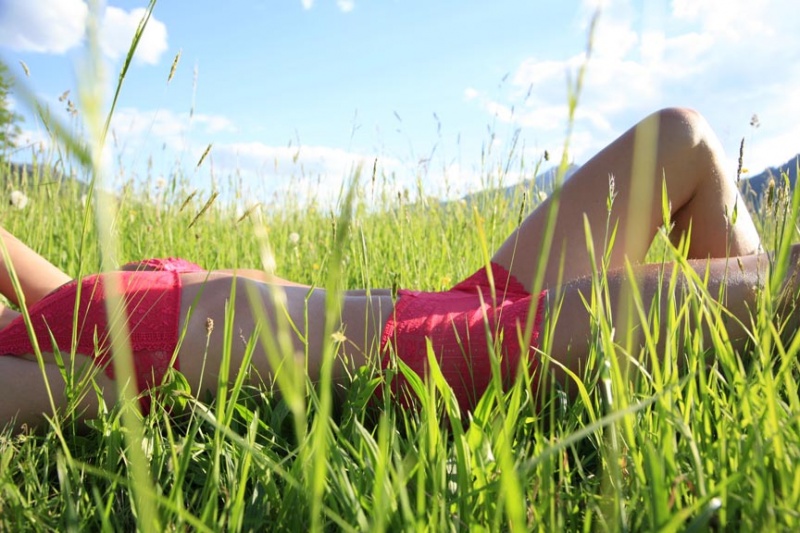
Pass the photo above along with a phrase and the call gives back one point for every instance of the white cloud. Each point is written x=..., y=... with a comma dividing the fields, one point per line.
x=346, y=6
x=316, y=171
x=142, y=140
x=137, y=136
x=163, y=139
x=734, y=19
x=32, y=141
x=777, y=139
x=304, y=172
x=614, y=37
x=305, y=161
x=57, y=26
x=118, y=29
x=134, y=128
x=11, y=103
x=45, y=26
x=715, y=55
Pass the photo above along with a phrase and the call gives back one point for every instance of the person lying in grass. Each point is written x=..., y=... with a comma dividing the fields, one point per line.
x=173, y=309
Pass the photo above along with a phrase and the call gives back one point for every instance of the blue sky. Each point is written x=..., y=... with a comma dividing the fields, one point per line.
x=294, y=93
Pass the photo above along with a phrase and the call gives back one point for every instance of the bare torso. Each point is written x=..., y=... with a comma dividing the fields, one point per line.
x=297, y=311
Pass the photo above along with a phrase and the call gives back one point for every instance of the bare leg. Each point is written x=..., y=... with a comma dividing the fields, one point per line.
x=7, y=315
x=37, y=276
x=362, y=318
x=738, y=286
x=701, y=195
x=24, y=395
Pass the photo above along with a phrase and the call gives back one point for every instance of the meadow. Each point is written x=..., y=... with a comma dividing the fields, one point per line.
x=712, y=444
x=692, y=436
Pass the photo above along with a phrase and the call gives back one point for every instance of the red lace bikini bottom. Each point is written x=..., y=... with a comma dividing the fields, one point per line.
x=142, y=307
x=465, y=326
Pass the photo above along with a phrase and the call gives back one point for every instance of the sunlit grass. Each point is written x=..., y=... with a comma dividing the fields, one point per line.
x=716, y=441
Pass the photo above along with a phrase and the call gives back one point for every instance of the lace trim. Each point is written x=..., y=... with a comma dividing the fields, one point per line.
x=151, y=312
x=465, y=326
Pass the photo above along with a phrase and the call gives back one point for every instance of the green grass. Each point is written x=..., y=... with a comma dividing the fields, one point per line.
x=714, y=444
x=711, y=444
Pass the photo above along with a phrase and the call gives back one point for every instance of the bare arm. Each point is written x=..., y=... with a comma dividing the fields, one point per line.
x=37, y=276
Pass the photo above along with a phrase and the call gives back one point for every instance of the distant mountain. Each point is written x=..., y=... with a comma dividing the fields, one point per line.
x=754, y=187
x=547, y=179
x=22, y=172
x=26, y=174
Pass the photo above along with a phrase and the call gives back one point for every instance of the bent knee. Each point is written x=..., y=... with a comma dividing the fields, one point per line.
x=685, y=127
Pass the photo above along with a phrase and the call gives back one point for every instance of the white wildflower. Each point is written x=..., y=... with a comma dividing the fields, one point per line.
x=542, y=196
x=161, y=183
x=18, y=199
x=294, y=237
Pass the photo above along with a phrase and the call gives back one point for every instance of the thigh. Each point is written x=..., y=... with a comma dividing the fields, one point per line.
x=673, y=149
x=26, y=389
x=583, y=203
x=7, y=315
